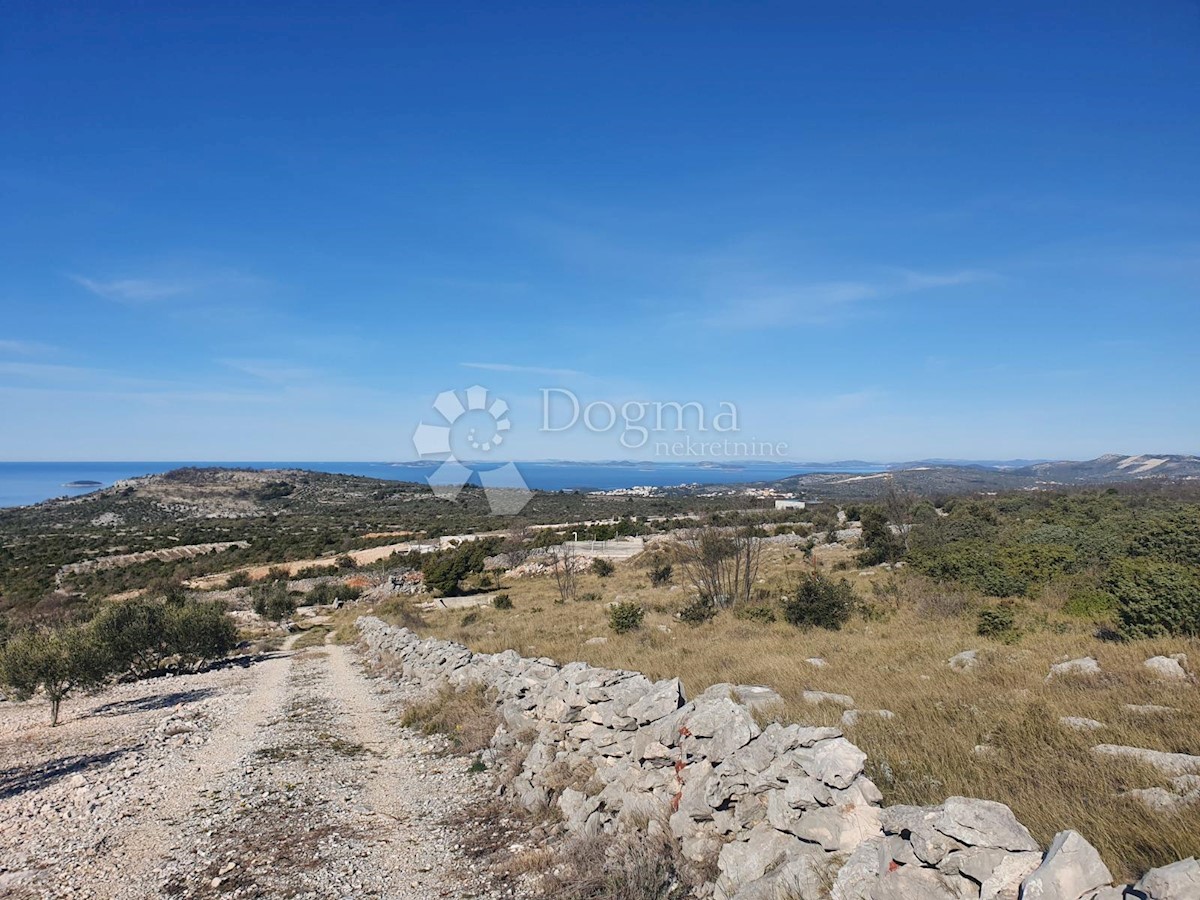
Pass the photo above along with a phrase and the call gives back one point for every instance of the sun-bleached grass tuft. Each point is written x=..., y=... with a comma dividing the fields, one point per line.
x=466, y=716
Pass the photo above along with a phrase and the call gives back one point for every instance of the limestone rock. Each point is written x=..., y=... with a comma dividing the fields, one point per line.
x=965, y=661
x=1085, y=666
x=1004, y=882
x=851, y=717
x=1170, y=763
x=1079, y=723
x=1070, y=869
x=1167, y=668
x=983, y=823
x=743, y=862
x=1178, y=881
x=1148, y=709
x=836, y=762
x=838, y=829
x=814, y=697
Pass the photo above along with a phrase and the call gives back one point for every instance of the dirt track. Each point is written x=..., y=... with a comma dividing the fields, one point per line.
x=285, y=778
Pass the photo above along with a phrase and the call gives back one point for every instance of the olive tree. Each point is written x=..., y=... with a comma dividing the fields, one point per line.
x=55, y=662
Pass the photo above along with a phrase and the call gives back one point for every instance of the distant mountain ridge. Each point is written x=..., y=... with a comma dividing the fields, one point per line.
x=972, y=477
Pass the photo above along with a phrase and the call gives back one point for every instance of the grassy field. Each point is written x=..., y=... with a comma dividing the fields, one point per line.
x=895, y=658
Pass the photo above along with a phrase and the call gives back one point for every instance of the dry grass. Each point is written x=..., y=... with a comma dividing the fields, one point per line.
x=311, y=637
x=897, y=661
x=639, y=866
x=467, y=717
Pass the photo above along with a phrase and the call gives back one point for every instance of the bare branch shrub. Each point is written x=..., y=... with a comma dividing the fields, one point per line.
x=721, y=563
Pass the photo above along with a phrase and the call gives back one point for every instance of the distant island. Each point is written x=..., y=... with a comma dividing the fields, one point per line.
x=83, y=484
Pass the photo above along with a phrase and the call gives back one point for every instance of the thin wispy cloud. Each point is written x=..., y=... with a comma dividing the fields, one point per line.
x=271, y=370
x=827, y=302
x=134, y=290
x=525, y=370
x=24, y=348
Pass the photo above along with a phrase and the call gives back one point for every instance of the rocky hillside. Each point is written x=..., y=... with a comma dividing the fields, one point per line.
x=965, y=478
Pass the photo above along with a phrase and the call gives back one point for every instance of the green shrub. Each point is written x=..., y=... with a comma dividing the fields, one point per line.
x=602, y=567
x=278, y=573
x=272, y=601
x=589, y=597
x=502, y=601
x=345, y=561
x=660, y=575
x=623, y=617
x=999, y=623
x=763, y=614
x=699, y=611
x=237, y=580
x=1090, y=603
x=1155, y=598
x=819, y=602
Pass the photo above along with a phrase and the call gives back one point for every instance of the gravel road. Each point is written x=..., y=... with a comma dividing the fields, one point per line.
x=288, y=777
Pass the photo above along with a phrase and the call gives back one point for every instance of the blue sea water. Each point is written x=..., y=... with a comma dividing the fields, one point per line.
x=22, y=483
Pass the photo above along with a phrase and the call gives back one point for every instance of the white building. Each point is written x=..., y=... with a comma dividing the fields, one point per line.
x=789, y=504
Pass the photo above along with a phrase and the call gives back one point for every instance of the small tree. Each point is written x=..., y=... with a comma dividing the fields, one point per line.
x=200, y=632
x=566, y=574
x=721, y=563
x=133, y=635
x=55, y=662
x=602, y=567
x=660, y=575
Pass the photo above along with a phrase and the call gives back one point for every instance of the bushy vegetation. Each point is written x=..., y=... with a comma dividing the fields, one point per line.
x=273, y=601
x=661, y=574
x=502, y=601
x=698, y=611
x=819, y=601
x=445, y=570
x=602, y=567
x=1130, y=555
x=623, y=617
x=999, y=622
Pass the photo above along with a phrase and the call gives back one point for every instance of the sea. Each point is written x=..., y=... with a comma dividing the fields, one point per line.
x=23, y=483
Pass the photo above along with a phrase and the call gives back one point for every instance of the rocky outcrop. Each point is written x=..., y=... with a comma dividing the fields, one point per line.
x=785, y=811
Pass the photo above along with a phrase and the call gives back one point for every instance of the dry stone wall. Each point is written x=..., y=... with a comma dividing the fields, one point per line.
x=787, y=812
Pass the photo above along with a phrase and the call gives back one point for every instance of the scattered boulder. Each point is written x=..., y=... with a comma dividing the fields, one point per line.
x=966, y=661
x=851, y=717
x=1148, y=709
x=1070, y=869
x=1083, y=667
x=1169, y=763
x=816, y=662
x=1079, y=723
x=1168, y=668
x=815, y=697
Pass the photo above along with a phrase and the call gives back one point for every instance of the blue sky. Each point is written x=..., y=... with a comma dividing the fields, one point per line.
x=882, y=230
